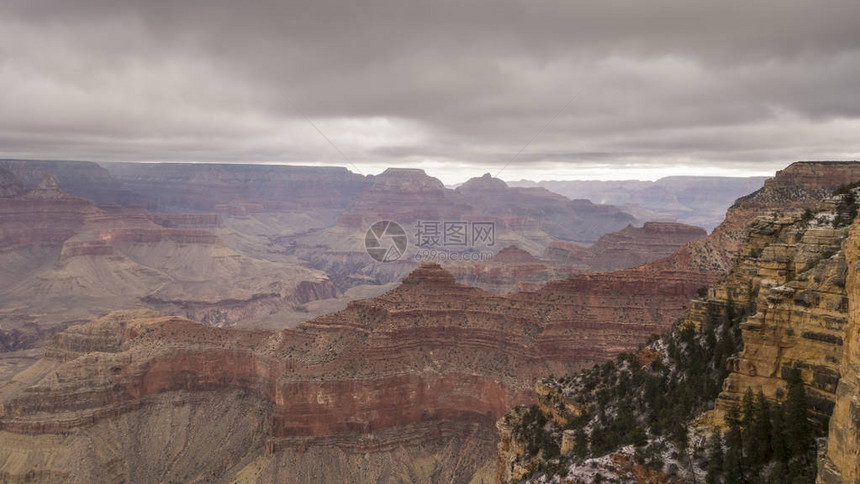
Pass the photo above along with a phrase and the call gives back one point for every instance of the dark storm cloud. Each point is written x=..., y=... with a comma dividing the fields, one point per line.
x=464, y=83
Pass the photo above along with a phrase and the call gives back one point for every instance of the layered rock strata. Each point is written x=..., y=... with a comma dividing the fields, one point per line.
x=427, y=366
x=66, y=258
x=840, y=461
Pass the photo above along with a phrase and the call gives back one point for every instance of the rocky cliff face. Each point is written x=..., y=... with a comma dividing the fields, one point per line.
x=574, y=220
x=840, y=462
x=800, y=186
x=793, y=275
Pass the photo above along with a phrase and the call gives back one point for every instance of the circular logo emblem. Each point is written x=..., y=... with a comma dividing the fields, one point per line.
x=385, y=241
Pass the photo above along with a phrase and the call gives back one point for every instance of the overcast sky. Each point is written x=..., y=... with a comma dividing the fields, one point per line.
x=456, y=87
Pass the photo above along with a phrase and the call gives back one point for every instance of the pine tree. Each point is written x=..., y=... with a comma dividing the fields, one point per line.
x=761, y=434
x=715, y=457
x=798, y=435
x=733, y=460
x=580, y=443
x=777, y=438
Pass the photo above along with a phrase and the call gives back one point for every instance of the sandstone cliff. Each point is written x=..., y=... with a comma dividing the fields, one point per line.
x=840, y=462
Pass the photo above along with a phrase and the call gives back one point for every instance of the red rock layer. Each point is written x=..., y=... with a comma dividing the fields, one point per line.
x=429, y=350
x=44, y=216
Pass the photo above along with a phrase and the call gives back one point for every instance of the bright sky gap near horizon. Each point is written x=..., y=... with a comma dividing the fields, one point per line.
x=665, y=87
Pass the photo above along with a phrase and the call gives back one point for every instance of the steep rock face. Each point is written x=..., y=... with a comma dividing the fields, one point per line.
x=840, y=462
x=596, y=316
x=45, y=215
x=513, y=269
x=792, y=275
x=577, y=220
x=404, y=195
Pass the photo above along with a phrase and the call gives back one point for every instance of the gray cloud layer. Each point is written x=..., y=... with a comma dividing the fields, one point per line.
x=448, y=85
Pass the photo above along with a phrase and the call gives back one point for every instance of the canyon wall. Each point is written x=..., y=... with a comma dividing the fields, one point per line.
x=840, y=461
x=201, y=187
x=83, y=179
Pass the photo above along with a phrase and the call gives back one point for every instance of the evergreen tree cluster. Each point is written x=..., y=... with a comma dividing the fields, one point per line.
x=649, y=406
x=624, y=402
x=764, y=442
x=846, y=208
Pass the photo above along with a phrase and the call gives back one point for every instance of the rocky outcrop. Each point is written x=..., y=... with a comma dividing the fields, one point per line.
x=574, y=220
x=513, y=269
x=800, y=186
x=527, y=218
x=404, y=195
x=187, y=220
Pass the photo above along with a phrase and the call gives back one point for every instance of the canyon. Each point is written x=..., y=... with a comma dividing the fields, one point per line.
x=425, y=368
x=264, y=246
x=67, y=259
x=406, y=385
